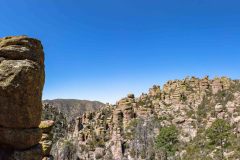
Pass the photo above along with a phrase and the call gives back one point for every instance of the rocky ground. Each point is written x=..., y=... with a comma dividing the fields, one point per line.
x=135, y=128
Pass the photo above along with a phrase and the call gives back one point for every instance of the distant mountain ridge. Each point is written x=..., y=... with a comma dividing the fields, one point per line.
x=72, y=108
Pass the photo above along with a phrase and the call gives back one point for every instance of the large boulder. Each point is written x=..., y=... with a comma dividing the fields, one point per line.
x=21, y=84
x=46, y=126
x=21, y=48
x=20, y=94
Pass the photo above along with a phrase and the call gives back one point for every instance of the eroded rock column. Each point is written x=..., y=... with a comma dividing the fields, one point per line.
x=21, y=85
x=46, y=140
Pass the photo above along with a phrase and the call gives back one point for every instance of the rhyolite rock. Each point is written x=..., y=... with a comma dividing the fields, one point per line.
x=218, y=107
x=21, y=83
x=46, y=126
x=29, y=154
x=46, y=147
x=128, y=129
x=19, y=138
x=47, y=137
x=21, y=48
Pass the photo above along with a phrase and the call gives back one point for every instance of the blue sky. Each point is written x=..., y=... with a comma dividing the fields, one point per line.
x=102, y=50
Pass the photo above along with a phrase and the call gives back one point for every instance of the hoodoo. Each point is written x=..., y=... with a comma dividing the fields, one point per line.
x=21, y=84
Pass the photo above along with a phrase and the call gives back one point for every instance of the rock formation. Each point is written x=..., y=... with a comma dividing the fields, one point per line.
x=47, y=138
x=128, y=129
x=21, y=84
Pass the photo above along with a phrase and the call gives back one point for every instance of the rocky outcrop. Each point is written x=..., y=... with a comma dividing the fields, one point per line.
x=21, y=84
x=61, y=111
x=47, y=138
x=128, y=129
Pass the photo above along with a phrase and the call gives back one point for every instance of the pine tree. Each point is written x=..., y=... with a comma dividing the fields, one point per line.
x=219, y=134
x=167, y=140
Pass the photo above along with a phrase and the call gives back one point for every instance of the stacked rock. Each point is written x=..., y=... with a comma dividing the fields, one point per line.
x=216, y=85
x=46, y=141
x=204, y=83
x=21, y=84
x=155, y=91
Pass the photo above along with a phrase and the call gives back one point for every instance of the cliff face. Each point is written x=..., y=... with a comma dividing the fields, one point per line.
x=130, y=129
x=21, y=84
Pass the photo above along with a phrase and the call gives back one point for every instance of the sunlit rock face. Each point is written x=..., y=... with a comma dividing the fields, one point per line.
x=128, y=129
x=21, y=84
x=47, y=138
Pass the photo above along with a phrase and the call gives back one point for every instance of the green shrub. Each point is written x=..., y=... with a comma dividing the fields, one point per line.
x=167, y=140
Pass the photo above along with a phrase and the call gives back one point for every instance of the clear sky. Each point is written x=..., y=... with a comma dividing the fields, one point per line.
x=104, y=49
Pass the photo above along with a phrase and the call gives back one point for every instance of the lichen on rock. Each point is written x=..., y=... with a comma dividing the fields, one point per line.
x=21, y=83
